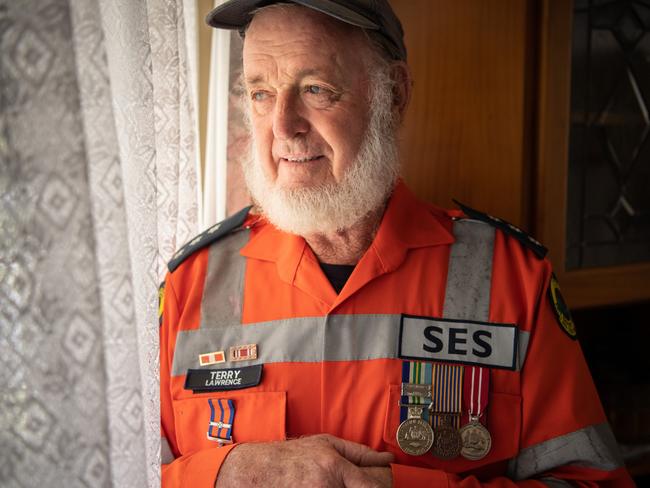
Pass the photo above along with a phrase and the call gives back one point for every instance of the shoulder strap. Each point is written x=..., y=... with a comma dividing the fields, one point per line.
x=207, y=237
x=506, y=227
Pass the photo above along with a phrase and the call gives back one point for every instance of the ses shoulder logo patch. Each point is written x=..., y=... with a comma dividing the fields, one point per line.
x=561, y=309
x=161, y=302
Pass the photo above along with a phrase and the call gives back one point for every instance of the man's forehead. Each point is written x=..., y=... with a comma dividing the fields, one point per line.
x=304, y=42
x=293, y=24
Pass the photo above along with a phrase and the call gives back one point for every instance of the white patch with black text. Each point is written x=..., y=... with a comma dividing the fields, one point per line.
x=459, y=341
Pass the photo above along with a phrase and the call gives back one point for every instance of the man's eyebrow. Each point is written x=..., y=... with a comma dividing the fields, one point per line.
x=309, y=72
x=254, y=80
x=303, y=73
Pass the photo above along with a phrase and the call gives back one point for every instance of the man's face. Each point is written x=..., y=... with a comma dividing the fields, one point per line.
x=308, y=90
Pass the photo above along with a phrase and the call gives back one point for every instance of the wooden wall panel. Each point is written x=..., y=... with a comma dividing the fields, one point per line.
x=466, y=132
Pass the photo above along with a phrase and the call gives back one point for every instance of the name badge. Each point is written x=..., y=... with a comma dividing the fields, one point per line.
x=206, y=380
x=458, y=341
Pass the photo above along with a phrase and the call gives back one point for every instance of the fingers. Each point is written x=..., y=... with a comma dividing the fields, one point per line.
x=359, y=454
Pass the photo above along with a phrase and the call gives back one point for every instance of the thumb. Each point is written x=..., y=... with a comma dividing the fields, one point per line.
x=360, y=454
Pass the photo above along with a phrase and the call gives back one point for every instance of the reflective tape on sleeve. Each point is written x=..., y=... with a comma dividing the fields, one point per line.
x=592, y=447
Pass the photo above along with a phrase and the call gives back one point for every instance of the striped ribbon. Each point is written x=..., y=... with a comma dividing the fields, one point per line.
x=447, y=392
x=477, y=386
x=446, y=381
x=221, y=419
x=419, y=373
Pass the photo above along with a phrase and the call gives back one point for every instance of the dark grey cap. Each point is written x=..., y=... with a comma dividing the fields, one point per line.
x=376, y=15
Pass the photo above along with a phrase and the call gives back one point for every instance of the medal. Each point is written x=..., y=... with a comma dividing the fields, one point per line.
x=210, y=358
x=446, y=408
x=415, y=435
x=477, y=440
x=243, y=353
x=447, y=440
x=222, y=415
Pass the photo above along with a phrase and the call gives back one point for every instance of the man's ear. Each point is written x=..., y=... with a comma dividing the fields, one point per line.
x=403, y=84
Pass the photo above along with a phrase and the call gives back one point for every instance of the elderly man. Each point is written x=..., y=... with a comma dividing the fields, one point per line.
x=343, y=333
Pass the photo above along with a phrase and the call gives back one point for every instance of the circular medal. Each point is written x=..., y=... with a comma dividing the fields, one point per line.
x=415, y=436
x=477, y=441
x=447, y=442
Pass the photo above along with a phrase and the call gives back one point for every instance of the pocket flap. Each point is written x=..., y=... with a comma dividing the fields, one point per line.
x=259, y=416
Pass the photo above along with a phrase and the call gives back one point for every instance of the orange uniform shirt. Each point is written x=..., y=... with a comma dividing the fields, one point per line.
x=322, y=372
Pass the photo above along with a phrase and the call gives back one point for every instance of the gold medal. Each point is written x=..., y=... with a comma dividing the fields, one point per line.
x=477, y=440
x=414, y=435
x=447, y=442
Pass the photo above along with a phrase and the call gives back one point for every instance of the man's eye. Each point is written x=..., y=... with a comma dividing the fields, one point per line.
x=315, y=90
x=259, y=96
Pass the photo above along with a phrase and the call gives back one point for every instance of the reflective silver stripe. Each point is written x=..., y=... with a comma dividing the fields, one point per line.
x=349, y=337
x=223, y=290
x=304, y=339
x=469, y=276
x=555, y=483
x=592, y=447
x=166, y=455
x=335, y=337
x=523, y=348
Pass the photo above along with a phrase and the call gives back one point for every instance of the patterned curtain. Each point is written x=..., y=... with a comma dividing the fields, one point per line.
x=98, y=187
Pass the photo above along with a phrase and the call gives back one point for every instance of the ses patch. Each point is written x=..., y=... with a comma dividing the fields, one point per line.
x=561, y=309
x=161, y=302
x=458, y=341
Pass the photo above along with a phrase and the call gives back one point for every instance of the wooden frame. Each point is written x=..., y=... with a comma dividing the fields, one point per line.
x=586, y=287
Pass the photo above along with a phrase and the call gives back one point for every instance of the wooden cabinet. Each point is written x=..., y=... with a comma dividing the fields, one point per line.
x=584, y=287
x=467, y=130
x=489, y=124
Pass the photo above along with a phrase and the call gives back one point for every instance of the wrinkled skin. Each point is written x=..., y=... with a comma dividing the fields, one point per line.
x=317, y=461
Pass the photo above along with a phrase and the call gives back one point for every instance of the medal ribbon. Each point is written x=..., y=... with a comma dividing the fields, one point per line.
x=419, y=373
x=447, y=392
x=220, y=429
x=477, y=386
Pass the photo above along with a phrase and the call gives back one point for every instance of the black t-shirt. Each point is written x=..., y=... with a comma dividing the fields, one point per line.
x=337, y=274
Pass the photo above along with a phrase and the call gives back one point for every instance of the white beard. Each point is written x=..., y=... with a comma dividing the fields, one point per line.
x=365, y=186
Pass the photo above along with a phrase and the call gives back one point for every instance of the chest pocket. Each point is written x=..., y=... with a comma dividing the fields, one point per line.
x=259, y=416
x=503, y=422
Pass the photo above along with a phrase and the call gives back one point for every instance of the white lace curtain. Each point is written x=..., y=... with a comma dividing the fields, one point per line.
x=98, y=185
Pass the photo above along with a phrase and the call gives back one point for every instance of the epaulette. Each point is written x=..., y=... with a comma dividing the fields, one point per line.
x=514, y=231
x=207, y=237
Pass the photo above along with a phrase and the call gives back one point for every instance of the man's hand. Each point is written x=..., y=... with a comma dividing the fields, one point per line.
x=383, y=476
x=321, y=461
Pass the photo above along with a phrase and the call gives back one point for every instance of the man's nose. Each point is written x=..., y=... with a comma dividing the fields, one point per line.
x=288, y=119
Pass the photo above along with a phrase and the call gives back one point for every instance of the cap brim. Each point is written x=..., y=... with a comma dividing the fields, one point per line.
x=236, y=14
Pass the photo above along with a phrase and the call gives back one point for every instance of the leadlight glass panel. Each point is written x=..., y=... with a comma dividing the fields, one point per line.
x=608, y=214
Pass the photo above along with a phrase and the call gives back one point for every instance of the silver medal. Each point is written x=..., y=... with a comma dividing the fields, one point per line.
x=477, y=440
x=415, y=435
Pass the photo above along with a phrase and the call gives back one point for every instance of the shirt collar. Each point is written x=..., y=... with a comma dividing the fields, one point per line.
x=407, y=224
